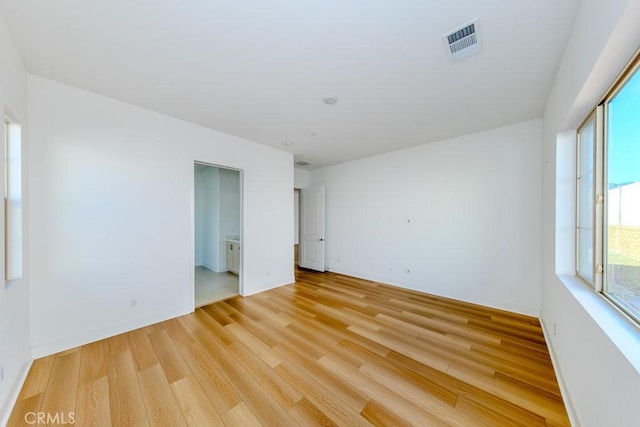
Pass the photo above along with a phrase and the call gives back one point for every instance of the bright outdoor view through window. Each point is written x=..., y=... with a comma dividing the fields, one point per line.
x=623, y=201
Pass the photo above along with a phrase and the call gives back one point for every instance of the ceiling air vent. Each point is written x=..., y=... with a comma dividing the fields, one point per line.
x=463, y=42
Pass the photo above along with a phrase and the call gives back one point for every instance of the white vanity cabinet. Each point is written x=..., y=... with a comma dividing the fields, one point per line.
x=233, y=256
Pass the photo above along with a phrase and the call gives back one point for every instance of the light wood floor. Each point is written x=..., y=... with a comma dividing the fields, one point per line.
x=327, y=350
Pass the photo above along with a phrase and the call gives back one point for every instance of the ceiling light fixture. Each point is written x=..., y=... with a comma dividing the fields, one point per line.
x=330, y=100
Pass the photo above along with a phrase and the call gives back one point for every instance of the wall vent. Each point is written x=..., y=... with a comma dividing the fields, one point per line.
x=463, y=42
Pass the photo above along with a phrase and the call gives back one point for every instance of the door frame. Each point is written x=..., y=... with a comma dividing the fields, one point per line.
x=192, y=228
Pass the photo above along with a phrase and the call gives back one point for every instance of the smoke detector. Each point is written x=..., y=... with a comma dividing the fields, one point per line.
x=463, y=42
x=330, y=100
x=303, y=163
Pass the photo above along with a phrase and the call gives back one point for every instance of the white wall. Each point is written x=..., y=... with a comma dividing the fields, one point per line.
x=199, y=207
x=15, y=357
x=296, y=217
x=229, y=202
x=211, y=181
x=300, y=178
x=207, y=217
x=15, y=354
x=229, y=206
x=462, y=215
x=595, y=350
x=112, y=217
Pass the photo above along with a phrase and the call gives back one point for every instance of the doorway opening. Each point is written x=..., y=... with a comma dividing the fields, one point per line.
x=217, y=233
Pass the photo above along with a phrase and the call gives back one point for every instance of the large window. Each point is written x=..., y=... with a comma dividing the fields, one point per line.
x=608, y=202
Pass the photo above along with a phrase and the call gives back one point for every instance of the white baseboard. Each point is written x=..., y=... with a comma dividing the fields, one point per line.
x=268, y=287
x=445, y=293
x=66, y=343
x=566, y=398
x=13, y=395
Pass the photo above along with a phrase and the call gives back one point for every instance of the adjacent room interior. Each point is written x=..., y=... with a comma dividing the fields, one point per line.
x=459, y=248
x=217, y=233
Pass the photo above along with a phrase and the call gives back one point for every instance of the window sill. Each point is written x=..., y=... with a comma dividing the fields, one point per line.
x=621, y=330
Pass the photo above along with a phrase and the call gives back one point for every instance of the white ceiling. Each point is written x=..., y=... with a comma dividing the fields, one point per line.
x=259, y=69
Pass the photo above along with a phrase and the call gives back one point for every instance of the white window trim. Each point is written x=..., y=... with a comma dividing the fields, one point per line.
x=13, y=232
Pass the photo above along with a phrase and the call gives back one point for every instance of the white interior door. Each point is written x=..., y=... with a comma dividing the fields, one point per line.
x=312, y=228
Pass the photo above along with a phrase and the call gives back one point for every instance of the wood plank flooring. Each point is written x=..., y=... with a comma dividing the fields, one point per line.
x=327, y=350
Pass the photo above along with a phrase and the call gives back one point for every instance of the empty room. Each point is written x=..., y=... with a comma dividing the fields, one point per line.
x=290, y=213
